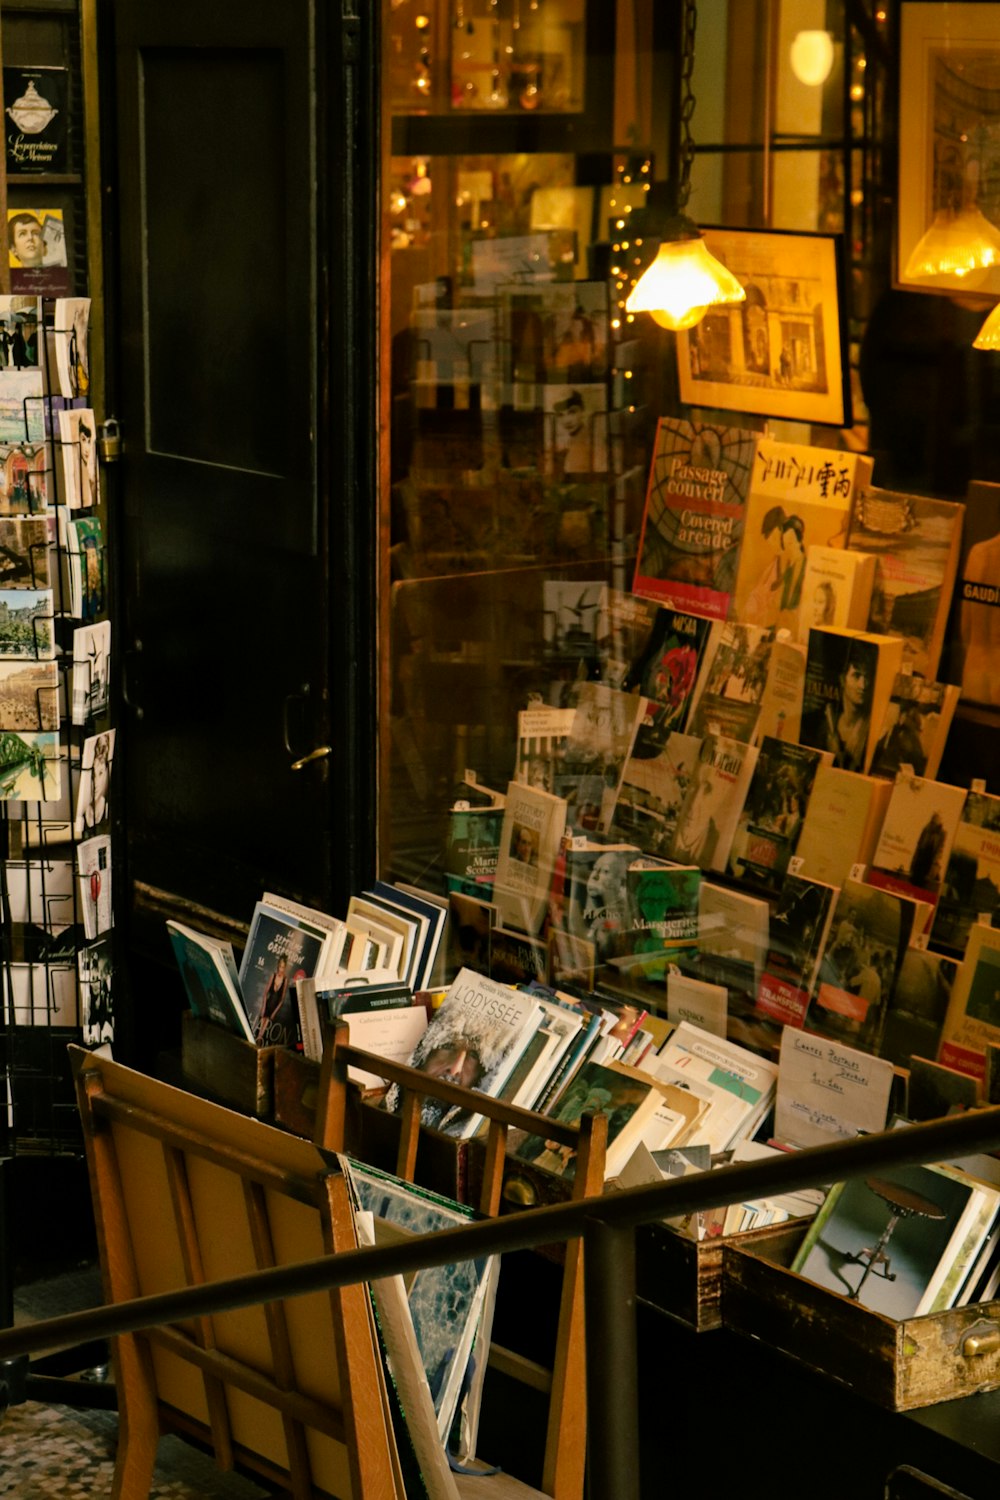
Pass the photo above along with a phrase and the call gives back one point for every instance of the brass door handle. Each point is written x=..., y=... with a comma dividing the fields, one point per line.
x=320, y=753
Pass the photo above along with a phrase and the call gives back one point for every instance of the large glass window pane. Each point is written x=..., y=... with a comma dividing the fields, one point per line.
x=528, y=141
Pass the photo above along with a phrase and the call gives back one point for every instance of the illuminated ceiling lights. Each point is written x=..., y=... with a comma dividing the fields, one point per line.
x=962, y=244
x=988, y=336
x=811, y=56
x=685, y=279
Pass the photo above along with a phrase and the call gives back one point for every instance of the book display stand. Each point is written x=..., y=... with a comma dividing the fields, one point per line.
x=243, y=1194
x=56, y=748
x=565, y=1382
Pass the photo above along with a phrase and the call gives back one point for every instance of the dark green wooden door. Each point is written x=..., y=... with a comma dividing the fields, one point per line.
x=243, y=329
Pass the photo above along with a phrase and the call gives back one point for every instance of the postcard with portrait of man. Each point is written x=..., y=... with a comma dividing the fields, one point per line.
x=36, y=251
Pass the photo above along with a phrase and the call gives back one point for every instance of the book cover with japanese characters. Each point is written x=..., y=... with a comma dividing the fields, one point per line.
x=800, y=497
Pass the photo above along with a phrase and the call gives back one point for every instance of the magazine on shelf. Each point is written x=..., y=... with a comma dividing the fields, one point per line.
x=842, y=824
x=475, y=1038
x=800, y=497
x=692, y=524
x=970, y=891
x=915, y=727
x=916, y=541
x=918, y=831
x=712, y=805
x=280, y=950
x=869, y=933
x=729, y=694
x=208, y=969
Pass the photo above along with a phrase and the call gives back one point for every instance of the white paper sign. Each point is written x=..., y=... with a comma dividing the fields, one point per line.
x=827, y=1091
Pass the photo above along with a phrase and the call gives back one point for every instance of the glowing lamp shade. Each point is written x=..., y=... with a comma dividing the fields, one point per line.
x=811, y=56
x=961, y=245
x=988, y=336
x=683, y=282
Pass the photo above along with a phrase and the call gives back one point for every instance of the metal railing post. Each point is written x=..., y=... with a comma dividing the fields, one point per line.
x=612, y=1361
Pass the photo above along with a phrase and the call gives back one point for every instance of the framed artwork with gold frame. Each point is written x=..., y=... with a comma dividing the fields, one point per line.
x=949, y=144
x=779, y=353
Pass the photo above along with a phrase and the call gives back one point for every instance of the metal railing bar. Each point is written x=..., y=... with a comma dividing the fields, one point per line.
x=940, y=1140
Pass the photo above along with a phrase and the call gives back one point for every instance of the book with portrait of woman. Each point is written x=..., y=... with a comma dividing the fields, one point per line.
x=280, y=951
x=800, y=498
x=849, y=678
x=591, y=898
x=836, y=589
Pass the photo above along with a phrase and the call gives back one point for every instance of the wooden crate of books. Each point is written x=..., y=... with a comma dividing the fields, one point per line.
x=296, y=1092
x=901, y=1365
x=683, y=1277
x=372, y=1135
x=232, y=1070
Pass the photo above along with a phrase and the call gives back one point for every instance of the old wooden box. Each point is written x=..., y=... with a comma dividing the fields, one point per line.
x=372, y=1134
x=231, y=1070
x=683, y=1277
x=899, y=1365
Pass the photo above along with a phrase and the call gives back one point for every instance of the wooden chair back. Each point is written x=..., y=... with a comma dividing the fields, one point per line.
x=187, y=1192
x=565, y=1383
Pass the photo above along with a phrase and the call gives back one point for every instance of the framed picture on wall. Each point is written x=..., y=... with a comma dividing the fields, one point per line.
x=779, y=353
x=949, y=143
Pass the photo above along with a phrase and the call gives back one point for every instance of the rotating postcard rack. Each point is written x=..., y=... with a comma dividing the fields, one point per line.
x=56, y=743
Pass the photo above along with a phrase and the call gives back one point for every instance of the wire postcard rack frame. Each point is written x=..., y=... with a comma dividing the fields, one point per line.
x=56, y=747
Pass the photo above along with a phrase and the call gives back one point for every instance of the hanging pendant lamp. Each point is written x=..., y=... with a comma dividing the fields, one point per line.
x=988, y=336
x=685, y=279
x=962, y=244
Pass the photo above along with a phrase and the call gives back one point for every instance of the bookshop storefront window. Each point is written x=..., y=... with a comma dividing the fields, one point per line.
x=554, y=615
